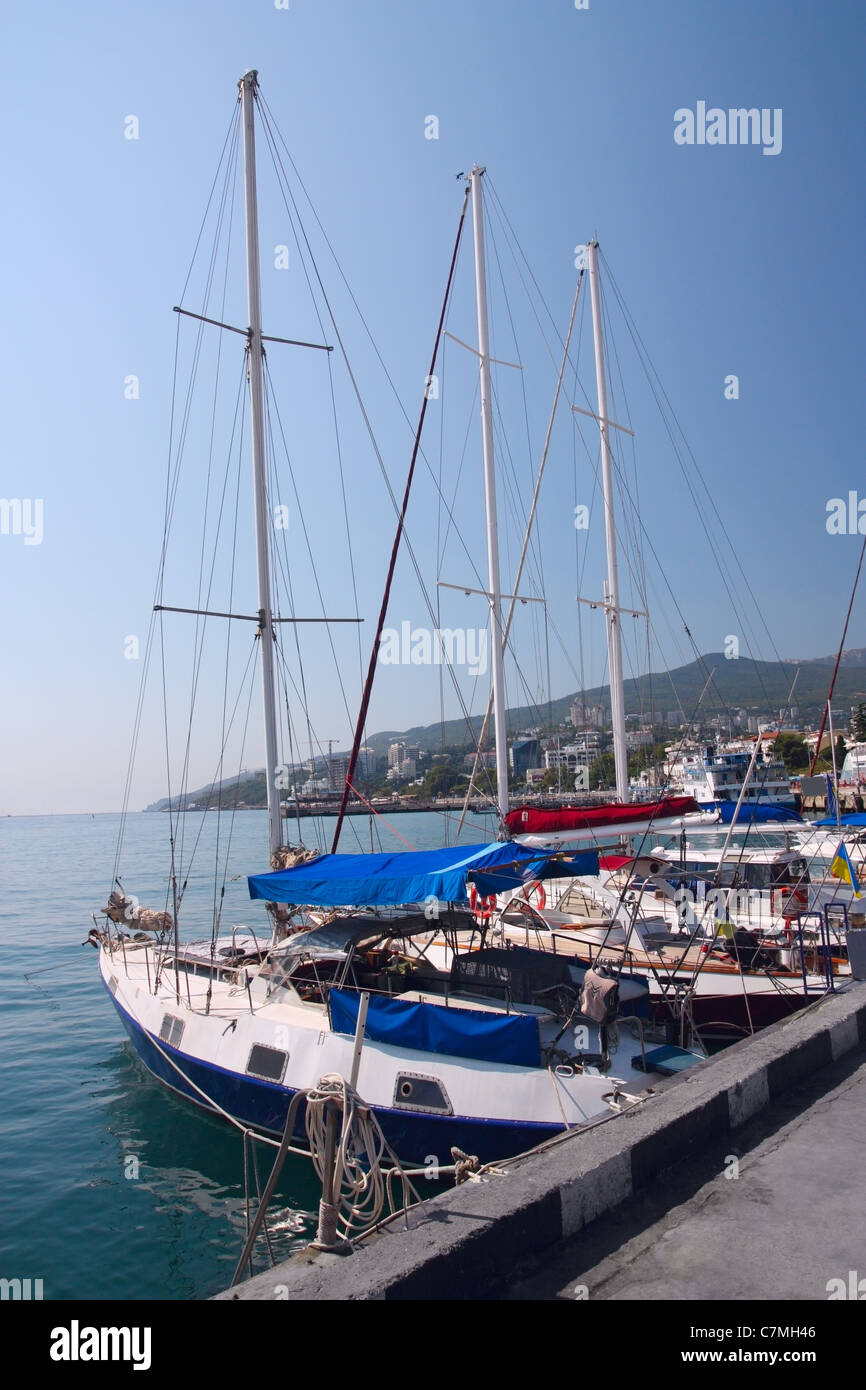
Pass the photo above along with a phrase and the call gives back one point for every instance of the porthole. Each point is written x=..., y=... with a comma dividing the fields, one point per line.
x=414, y=1092
x=267, y=1063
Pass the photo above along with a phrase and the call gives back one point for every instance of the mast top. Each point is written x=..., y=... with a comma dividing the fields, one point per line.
x=249, y=79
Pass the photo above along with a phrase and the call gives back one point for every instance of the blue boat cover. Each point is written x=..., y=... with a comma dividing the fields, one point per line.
x=757, y=813
x=850, y=818
x=486, y=1037
x=359, y=880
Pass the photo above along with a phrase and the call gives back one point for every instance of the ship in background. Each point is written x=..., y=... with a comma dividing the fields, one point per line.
x=716, y=778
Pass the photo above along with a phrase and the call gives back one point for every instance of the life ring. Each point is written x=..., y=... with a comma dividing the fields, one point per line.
x=788, y=900
x=537, y=888
x=482, y=907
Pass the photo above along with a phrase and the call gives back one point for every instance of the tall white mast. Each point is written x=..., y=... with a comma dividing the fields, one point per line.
x=611, y=591
x=494, y=590
x=248, y=85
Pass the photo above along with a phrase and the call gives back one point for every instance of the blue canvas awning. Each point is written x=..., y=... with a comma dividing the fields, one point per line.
x=757, y=812
x=357, y=880
x=850, y=818
x=485, y=1035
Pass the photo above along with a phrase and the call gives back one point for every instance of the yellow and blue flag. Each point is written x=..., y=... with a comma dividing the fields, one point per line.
x=843, y=869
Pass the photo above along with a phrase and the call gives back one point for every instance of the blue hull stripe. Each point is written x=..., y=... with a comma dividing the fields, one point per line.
x=415, y=1137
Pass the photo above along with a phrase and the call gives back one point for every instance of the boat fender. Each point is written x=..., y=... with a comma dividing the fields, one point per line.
x=599, y=999
x=94, y=937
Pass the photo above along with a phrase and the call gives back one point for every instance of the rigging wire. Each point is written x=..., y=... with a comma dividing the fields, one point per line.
x=838, y=657
x=288, y=195
x=365, y=698
x=271, y=403
x=231, y=134
x=201, y=621
x=660, y=395
x=517, y=251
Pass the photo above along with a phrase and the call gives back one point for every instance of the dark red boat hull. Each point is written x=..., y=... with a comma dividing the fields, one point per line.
x=535, y=820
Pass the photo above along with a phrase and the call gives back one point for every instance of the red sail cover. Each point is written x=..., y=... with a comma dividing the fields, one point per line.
x=533, y=820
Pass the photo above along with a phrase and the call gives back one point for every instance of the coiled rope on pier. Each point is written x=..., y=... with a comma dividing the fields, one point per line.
x=358, y=1184
x=355, y=1186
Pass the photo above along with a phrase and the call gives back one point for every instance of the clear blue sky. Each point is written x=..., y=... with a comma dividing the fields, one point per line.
x=730, y=261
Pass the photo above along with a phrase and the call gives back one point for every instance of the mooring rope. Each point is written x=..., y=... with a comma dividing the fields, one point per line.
x=356, y=1182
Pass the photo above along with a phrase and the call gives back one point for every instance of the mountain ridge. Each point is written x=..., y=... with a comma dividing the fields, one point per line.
x=736, y=683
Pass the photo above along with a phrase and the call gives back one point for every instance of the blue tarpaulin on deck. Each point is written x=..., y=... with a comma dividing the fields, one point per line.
x=486, y=1037
x=756, y=812
x=358, y=880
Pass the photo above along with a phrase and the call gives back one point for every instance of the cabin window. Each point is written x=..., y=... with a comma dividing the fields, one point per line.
x=575, y=900
x=791, y=871
x=268, y=1063
x=171, y=1030
x=414, y=1092
x=112, y=984
x=758, y=876
x=517, y=914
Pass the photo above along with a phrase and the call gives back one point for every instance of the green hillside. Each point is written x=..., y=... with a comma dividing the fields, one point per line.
x=760, y=686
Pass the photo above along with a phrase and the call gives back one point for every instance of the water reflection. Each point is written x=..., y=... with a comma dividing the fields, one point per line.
x=190, y=1164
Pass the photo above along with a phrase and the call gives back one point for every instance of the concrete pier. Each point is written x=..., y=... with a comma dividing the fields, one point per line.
x=469, y=1242
x=775, y=1211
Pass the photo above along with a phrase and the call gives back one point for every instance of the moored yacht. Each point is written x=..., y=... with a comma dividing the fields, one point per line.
x=490, y=1051
x=718, y=779
x=703, y=963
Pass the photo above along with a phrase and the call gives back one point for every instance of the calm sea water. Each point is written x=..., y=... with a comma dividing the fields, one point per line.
x=77, y=1105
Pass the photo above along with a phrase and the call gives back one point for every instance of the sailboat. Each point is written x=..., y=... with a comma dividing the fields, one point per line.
x=702, y=967
x=492, y=1053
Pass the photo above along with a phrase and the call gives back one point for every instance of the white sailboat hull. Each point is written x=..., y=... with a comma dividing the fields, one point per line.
x=491, y=1109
